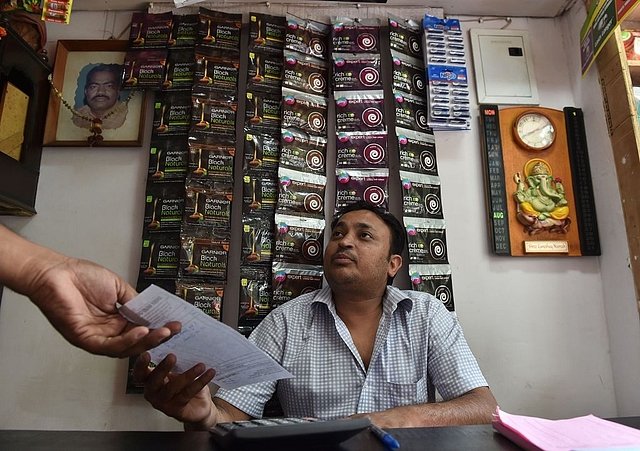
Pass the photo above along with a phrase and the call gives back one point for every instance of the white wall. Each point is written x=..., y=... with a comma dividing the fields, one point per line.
x=556, y=337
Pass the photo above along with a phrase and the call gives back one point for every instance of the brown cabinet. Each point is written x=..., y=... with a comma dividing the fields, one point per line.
x=24, y=94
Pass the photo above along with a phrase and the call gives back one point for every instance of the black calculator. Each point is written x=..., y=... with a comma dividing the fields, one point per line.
x=286, y=433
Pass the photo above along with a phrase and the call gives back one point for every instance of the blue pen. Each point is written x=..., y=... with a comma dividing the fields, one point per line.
x=384, y=437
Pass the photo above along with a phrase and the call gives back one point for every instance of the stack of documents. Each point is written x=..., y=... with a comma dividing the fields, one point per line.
x=573, y=434
x=237, y=361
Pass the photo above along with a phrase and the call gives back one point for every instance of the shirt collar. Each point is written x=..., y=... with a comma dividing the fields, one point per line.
x=324, y=296
x=392, y=298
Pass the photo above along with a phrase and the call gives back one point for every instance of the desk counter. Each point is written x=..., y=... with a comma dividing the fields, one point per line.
x=478, y=438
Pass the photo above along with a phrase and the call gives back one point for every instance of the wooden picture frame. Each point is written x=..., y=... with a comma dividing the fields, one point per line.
x=123, y=127
x=24, y=93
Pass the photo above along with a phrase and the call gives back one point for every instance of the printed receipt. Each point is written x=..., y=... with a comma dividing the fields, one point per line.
x=202, y=339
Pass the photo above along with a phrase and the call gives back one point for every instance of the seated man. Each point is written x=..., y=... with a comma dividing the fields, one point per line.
x=357, y=348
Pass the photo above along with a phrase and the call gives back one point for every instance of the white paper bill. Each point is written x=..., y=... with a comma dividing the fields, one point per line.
x=202, y=339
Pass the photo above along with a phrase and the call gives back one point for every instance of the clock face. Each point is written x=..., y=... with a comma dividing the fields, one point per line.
x=534, y=131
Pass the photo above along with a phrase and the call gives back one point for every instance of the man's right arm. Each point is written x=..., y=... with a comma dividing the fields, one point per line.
x=221, y=412
x=185, y=397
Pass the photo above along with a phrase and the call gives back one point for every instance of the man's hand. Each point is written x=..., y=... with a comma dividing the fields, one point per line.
x=78, y=298
x=185, y=397
x=474, y=407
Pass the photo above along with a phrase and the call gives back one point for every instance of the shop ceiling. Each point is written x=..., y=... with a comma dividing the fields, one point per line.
x=502, y=8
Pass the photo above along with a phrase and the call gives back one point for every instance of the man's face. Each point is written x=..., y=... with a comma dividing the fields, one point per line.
x=357, y=255
x=101, y=92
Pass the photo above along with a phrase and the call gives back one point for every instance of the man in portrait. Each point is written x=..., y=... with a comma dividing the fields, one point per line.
x=101, y=98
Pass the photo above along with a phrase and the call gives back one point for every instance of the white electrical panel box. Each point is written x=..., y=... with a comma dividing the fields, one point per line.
x=503, y=67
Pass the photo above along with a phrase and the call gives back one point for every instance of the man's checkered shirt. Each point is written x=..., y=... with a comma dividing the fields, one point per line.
x=419, y=345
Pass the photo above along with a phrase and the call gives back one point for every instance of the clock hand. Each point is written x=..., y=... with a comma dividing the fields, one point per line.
x=535, y=130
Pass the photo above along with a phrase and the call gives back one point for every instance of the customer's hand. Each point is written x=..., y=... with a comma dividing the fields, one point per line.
x=78, y=298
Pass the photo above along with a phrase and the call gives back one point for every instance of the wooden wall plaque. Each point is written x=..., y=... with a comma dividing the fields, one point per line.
x=538, y=182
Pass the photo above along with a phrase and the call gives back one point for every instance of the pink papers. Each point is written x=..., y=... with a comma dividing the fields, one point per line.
x=538, y=434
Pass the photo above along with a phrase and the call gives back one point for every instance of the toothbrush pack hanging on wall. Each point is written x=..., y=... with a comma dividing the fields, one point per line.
x=446, y=73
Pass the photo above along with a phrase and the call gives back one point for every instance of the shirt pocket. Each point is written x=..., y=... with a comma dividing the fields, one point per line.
x=404, y=393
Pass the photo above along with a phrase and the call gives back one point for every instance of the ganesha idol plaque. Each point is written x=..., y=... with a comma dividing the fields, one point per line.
x=538, y=182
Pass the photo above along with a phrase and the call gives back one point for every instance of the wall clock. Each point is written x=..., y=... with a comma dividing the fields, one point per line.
x=538, y=182
x=534, y=130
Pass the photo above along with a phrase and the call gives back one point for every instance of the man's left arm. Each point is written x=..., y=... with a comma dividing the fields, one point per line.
x=474, y=407
x=457, y=377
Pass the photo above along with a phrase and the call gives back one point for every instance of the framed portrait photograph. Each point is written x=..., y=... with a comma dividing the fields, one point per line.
x=86, y=106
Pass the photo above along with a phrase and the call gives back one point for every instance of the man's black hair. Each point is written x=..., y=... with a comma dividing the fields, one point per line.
x=398, y=234
x=115, y=69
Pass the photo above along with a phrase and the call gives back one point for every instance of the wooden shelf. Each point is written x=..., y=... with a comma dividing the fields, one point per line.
x=624, y=133
x=634, y=70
